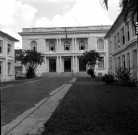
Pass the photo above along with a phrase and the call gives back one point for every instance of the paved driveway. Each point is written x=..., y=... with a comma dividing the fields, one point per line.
x=17, y=98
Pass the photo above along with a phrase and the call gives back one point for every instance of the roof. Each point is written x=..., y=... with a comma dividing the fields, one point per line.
x=8, y=36
x=60, y=30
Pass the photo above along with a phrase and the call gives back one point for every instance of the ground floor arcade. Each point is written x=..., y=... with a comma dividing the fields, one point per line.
x=69, y=64
x=65, y=64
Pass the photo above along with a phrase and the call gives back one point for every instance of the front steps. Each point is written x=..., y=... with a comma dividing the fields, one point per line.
x=65, y=74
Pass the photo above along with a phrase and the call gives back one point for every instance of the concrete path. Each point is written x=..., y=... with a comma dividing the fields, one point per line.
x=32, y=121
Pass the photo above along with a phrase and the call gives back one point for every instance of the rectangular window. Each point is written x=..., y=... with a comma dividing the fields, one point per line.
x=123, y=61
x=114, y=42
x=9, y=49
x=9, y=67
x=128, y=33
x=118, y=40
x=101, y=63
x=0, y=49
x=119, y=62
x=1, y=46
x=133, y=31
x=110, y=63
x=123, y=35
x=0, y=67
x=115, y=64
x=66, y=47
x=128, y=60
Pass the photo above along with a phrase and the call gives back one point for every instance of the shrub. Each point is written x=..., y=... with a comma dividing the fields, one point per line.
x=108, y=78
x=30, y=73
x=123, y=76
x=91, y=72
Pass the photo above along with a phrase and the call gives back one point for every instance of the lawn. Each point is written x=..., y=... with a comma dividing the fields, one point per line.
x=93, y=108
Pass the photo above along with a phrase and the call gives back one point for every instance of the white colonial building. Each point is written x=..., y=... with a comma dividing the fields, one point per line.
x=123, y=46
x=63, y=47
x=7, y=68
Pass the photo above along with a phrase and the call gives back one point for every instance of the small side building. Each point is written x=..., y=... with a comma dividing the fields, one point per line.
x=123, y=46
x=7, y=57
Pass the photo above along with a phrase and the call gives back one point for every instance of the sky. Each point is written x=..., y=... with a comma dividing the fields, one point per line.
x=18, y=14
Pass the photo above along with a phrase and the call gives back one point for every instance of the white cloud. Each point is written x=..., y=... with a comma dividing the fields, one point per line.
x=14, y=16
x=42, y=22
x=84, y=12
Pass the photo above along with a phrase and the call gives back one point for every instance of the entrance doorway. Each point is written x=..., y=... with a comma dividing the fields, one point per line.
x=67, y=64
x=82, y=66
x=52, y=65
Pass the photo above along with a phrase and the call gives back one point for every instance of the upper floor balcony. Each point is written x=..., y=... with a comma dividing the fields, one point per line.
x=55, y=52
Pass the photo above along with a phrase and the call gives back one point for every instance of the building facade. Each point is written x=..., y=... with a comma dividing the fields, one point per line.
x=63, y=47
x=123, y=46
x=7, y=60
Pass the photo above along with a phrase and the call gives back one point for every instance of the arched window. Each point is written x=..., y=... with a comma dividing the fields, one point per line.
x=100, y=44
x=34, y=45
x=66, y=45
x=51, y=45
x=82, y=45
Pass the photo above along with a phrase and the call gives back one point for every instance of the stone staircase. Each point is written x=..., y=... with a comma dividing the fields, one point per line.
x=65, y=74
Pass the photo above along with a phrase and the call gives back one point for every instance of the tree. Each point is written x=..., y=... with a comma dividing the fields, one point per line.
x=18, y=53
x=129, y=8
x=31, y=59
x=90, y=58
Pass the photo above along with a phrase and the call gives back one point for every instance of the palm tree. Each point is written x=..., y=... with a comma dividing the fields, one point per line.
x=129, y=8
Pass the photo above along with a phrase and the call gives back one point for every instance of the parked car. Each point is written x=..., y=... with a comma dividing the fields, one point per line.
x=19, y=74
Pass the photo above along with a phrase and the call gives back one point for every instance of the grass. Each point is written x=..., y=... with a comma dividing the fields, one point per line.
x=90, y=108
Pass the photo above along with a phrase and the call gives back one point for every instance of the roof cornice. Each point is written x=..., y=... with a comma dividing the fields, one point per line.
x=8, y=36
x=113, y=25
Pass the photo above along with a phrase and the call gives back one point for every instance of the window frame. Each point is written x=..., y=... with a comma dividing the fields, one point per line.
x=67, y=45
x=81, y=45
x=1, y=67
x=52, y=44
x=99, y=47
x=9, y=68
x=1, y=46
x=128, y=31
x=123, y=35
x=33, y=45
x=123, y=61
x=9, y=49
x=101, y=64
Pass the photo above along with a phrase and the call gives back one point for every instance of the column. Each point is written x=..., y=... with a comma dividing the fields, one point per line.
x=57, y=50
x=88, y=46
x=45, y=64
x=60, y=69
x=76, y=65
x=57, y=64
x=45, y=46
x=73, y=62
x=75, y=48
x=60, y=45
x=125, y=60
x=5, y=75
x=131, y=58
